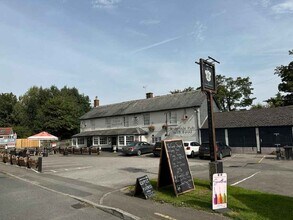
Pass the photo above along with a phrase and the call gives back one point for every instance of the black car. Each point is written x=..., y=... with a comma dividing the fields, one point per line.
x=223, y=150
x=157, y=149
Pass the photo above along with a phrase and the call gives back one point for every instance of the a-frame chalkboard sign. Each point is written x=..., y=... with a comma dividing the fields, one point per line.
x=144, y=186
x=174, y=168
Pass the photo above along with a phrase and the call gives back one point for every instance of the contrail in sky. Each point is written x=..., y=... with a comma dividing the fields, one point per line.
x=156, y=44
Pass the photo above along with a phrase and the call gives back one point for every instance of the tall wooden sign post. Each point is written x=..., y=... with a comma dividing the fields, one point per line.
x=208, y=85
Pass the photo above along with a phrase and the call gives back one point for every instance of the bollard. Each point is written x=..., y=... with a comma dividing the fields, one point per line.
x=11, y=159
x=278, y=152
x=28, y=162
x=40, y=164
x=214, y=167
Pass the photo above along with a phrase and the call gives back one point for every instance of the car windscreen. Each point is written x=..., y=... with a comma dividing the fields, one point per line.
x=185, y=144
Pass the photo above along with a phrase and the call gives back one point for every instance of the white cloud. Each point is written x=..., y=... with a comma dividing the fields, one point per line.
x=105, y=3
x=199, y=30
x=149, y=22
x=265, y=3
x=262, y=3
x=156, y=44
x=282, y=8
x=219, y=13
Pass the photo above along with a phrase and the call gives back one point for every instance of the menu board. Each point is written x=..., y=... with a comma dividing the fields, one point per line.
x=144, y=186
x=174, y=168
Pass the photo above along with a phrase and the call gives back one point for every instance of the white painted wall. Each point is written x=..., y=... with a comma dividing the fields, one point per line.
x=186, y=127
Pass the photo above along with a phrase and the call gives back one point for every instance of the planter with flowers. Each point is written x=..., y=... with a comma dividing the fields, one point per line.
x=151, y=128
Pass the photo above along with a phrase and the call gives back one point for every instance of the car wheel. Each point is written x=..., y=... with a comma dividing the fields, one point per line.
x=138, y=153
x=192, y=154
x=230, y=153
x=201, y=157
x=220, y=156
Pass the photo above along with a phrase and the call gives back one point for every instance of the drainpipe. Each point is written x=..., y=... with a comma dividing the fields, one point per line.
x=198, y=124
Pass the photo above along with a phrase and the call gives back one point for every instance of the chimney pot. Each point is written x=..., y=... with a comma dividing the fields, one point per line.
x=149, y=95
x=96, y=102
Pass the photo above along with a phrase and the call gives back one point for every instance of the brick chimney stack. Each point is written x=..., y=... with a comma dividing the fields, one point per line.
x=96, y=102
x=149, y=95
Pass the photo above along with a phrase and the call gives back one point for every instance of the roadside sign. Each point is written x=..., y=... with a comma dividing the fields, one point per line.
x=174, y=168
x=144, y=186
x=219, y=199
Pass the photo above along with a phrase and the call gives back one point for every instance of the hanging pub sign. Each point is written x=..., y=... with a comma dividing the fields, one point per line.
x=219, y=199
x=207, y=75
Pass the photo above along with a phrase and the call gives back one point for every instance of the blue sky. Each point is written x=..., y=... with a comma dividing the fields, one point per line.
x=120, y=49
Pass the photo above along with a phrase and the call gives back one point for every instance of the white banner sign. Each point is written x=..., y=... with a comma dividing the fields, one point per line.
x=219, y=199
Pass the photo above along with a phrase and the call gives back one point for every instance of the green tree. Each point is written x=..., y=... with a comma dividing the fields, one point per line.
x=61, y=113
x=233, y=94
x=50, y=109
x=259, y=106
x=188, y=89
x=8, y=101
x=286, y=85
x=276, y=101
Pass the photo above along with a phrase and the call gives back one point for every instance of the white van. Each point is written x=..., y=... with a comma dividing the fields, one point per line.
x=191, y=148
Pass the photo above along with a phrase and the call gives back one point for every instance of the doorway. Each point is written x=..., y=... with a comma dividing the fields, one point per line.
x=89, y=141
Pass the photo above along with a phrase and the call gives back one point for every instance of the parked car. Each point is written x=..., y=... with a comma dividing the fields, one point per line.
x=191, y=148
x=137, y=148
x=157, y=149
x=223, y=150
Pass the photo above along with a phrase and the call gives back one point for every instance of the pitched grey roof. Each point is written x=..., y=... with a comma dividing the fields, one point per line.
x=158, y=103
x=281, y=116
x=108, y=132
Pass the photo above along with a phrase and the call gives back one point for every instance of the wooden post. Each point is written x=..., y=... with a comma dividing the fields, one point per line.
x=212, y=133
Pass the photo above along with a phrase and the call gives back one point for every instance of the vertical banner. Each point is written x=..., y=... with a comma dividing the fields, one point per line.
x=219, y=199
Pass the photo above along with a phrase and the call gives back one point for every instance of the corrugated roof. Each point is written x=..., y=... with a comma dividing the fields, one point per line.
x=281, y=116
x=109, y=132
x=6, y=131
x=158, y=103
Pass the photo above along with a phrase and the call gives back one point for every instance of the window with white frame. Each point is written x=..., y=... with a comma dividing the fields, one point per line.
x=129, y=139
x=74, y=141
x=80, y=141
x=125, y=121
x=172, y=117
x=93, y=123
x=135, y=120
x=108, y=122
x=146, y=119
x=121, y=140
x=96, y=140
x=103, y=140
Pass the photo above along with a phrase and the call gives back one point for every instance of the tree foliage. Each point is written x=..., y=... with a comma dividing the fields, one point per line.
x=51, y=109
x=188, y=89
x=7, y=100
x=232, y=93
x=276, y=101
x=286, y=85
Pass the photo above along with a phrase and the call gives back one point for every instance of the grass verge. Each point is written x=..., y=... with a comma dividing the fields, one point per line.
x=242, y=203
